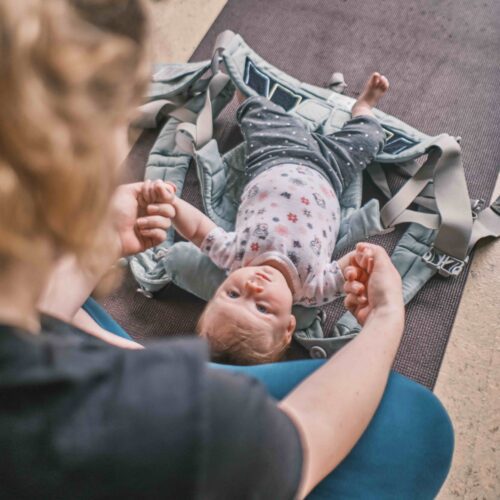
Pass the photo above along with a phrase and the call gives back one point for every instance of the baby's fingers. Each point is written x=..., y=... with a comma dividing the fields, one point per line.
x=353, y=301
x=163, y=192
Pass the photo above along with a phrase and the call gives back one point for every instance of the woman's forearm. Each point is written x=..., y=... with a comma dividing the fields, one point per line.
x=333, y=407
x=70, y=284
x=86, y=323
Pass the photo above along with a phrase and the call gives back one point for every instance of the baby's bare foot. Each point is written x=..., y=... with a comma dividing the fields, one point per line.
x=375, y=88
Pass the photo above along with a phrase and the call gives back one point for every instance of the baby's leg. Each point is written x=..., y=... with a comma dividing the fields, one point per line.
x=353, y=147
x=273, y=136
x=375, y=88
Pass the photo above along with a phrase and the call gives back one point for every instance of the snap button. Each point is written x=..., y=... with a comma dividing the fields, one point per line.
x=317, y=352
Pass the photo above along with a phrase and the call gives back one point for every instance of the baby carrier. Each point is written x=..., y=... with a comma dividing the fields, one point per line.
x=185, y=99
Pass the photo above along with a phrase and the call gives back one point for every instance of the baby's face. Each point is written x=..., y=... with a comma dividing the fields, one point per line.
x=257, y=296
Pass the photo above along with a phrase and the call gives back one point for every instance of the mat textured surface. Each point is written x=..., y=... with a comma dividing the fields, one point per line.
x=442, y=61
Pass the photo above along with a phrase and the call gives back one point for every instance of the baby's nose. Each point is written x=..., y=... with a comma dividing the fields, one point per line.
x=253, y=286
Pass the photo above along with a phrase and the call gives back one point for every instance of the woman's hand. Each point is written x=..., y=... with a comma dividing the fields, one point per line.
x=373, y=282
x=142, y=213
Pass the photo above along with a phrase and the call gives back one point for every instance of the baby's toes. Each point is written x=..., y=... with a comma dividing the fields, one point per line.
x=383, y=83
x=374, y=79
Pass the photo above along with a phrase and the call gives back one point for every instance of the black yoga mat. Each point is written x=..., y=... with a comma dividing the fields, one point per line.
x=442, y=61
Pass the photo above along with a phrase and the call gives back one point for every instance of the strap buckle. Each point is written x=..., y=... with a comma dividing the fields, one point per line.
x=495, y=206
x=476, y=207
x=446, y=265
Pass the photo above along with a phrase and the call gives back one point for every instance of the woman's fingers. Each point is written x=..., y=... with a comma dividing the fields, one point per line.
x=363, y=258
x=163, y=210
x=361, y=314
x=353, y=301
x=154, y=222
x=349, y=303
x=146, y=191
x=359, y=311
x=156, y=236
x=141, y=200
x=355, y=273
x=354, y=287
x=351, y=273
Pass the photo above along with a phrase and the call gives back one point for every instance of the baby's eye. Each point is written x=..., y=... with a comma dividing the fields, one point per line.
x=262, y=309
x=232, y=294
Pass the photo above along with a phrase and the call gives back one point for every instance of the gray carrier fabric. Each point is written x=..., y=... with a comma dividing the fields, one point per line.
x=295, y=58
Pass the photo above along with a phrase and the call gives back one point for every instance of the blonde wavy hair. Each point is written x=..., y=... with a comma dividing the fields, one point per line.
x=71, y=72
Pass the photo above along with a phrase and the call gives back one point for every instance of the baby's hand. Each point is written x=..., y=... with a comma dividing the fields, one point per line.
x=156, y=202
x=156, y=192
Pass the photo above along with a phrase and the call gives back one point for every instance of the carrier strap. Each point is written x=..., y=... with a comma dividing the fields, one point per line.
x=443, y=167
x=194, y=132
x=194, y=135
x=486, y=224
x=149, y=114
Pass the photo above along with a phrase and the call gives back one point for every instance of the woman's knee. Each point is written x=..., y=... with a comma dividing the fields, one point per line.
x=404, y=453
x=416, y=434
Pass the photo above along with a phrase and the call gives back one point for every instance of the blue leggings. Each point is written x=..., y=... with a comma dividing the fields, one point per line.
x=405, y=453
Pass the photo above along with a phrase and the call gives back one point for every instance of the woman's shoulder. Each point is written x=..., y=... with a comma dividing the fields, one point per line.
x=98, y=414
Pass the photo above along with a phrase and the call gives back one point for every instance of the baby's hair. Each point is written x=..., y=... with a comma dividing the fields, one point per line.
x=239, y=345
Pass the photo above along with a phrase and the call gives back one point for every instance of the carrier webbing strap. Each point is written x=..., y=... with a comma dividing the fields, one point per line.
x=221, y=42
x=426, y=198
x=444, y=167
x=487, y=223
x=201, y=132
x=377, y=174
x=191, y=137
x=148, y=115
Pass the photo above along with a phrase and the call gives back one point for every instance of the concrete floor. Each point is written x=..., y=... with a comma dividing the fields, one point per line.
x=469, y=380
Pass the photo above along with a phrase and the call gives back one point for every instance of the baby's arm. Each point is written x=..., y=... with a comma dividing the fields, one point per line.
x=195, y=226
x=190, y=222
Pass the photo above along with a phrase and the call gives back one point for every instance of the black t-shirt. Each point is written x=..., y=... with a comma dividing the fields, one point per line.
x=82, y=419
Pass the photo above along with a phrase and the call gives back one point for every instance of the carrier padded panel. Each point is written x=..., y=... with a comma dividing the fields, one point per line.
x=439, y=58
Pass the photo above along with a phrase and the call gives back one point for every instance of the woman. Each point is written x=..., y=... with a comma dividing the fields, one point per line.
x=82, y=418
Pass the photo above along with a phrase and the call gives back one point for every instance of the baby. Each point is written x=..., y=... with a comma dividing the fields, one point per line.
x=280, y=251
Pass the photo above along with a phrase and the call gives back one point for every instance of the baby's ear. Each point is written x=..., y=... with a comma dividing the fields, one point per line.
x=290, y=328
